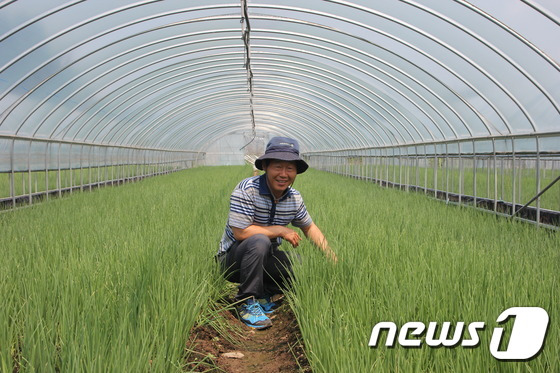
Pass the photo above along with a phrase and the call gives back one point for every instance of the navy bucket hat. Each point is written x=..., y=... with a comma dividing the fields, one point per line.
x=284, y=149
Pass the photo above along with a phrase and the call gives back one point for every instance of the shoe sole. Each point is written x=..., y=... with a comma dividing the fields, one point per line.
x=257, y=326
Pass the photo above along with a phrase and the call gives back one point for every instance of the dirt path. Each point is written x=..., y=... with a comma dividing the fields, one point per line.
x=277, y=349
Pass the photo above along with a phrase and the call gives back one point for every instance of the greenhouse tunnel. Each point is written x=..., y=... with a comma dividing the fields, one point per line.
x=456, y=99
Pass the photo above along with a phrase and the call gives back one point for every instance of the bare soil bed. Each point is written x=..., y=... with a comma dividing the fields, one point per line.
x=226, y=344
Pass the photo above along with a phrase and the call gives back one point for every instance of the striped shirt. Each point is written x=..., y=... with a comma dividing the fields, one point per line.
x=252, y=203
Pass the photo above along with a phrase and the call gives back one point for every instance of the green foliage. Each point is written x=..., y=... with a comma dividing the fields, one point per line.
x=111, y=280
x=405, y=258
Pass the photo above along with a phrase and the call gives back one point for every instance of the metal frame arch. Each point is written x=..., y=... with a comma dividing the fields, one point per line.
x=177, y=95
x=101, y=120
x=170, y=97
x=272, y=130
x=453, y=92
x=277, y=100
x=165, y=125
x=106, y=32
x=347, y=83
x=119, y=123
x=449, y=48
x=514, y=33
x=98, y=77
x=317, y=108
x=37, y=18
x=173, y=96
x=148, y=108
x=310, y=114
x=101, y=63
x=496, y=50
x=402, y=42
x=264, y=127
x=275, y=117
x=208, y=83
x=165, y=67
x=166, y=72
x=412, y=102
x=317, y=93
x=380, y=70
x=206, y=101
x=138, y=83
x=358, y=99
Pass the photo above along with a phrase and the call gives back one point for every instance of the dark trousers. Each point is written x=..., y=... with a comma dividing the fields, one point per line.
x=258, y=266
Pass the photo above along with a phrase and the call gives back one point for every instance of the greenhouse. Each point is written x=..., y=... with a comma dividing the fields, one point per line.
x=432, y=132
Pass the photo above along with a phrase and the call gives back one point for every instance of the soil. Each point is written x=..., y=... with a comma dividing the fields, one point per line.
x=276, y=349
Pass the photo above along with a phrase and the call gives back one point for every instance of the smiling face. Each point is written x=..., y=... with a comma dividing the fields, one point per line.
x=279, y=175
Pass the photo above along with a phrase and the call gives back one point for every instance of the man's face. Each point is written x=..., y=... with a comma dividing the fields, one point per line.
x=280, y=175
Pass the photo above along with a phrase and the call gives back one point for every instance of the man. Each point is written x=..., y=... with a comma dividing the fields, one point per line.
x=261, y=207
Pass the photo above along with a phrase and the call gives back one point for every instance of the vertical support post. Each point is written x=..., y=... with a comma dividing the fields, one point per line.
x=488, y=178
x=447, y=172
x=58, y=178
x=407, y=169
x=377, y=164
x=503, y=166
x=106, y=164
x=417, y=183
x=435, y=170
x=538, y=181
x=365, y=164
x=81, y=169
x=387, y=167
x=400, y=168
x=29, y=173
x=70, y=168
x=495, y=176
x=112, y=162
x=394, y=164
x=513, y=175
x=521, y=165
x=12, y=174
x=475, y=171
x=460, y=172
x=346, y=158
x=47, y=171
x=425, y=170
x=90, y=166
x=98, y=159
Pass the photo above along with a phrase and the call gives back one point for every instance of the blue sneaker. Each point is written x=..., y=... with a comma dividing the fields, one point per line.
x=267, y=304
x=252, y=315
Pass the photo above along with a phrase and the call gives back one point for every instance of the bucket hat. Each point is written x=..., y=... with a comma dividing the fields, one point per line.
x=284, y=149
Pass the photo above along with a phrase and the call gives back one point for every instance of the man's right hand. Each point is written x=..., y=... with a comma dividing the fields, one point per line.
x=291, y=236
x=271, y=231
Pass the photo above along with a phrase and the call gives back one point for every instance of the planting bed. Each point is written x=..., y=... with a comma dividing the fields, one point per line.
x=116, y=280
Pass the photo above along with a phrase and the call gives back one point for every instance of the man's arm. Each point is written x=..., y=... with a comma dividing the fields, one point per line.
x=313, y=232
x=271, y=231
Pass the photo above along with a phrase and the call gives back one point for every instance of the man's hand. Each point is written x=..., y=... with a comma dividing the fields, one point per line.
x=291, y=236
x=331, y=255
x=271, y=231
x=314, y=234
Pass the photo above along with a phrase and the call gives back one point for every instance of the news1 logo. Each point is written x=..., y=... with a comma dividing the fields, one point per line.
x=525, y=342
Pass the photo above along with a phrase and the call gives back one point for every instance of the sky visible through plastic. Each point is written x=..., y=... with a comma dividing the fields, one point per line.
x=333, y=74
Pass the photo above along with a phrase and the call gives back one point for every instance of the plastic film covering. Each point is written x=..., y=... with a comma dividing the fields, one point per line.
x=172, y=76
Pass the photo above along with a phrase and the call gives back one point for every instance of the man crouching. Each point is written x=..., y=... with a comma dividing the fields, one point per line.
x=261, y=207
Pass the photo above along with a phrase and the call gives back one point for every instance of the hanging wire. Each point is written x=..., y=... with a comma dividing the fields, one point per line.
x=246, y=37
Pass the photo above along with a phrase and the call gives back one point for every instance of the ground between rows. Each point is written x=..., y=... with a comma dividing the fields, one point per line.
x=221, y=343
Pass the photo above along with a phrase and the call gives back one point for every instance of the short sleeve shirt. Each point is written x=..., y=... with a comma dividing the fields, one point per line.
x=252, y=203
